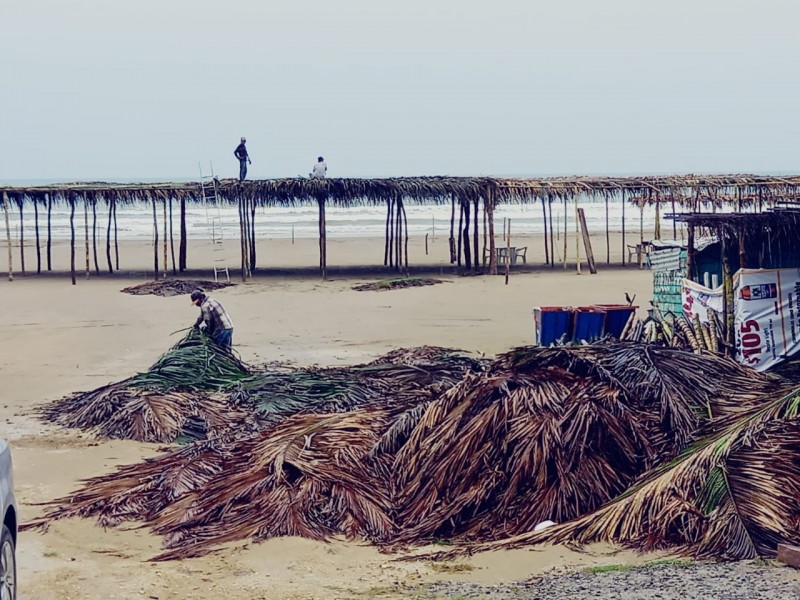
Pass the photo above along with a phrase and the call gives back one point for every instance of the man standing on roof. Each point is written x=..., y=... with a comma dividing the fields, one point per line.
x=244, y=158
x=320, y=169
x=213, y=319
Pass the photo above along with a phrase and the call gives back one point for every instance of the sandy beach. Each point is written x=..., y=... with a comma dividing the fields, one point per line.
x=60, y=338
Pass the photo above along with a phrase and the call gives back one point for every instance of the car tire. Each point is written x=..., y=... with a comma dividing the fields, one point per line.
x=8, y=566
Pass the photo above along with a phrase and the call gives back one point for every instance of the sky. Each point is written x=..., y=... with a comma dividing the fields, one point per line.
x=119, y=90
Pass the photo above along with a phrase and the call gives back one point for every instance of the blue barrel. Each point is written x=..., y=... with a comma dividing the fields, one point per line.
x=589, y=324
x=552, y=324
x=617, y=316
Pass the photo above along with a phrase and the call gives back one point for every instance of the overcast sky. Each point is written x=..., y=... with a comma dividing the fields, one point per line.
x=144, y=89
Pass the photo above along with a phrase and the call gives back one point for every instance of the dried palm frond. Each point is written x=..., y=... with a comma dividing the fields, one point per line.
x=733, y=495
x=174, y=287
x=306, y=477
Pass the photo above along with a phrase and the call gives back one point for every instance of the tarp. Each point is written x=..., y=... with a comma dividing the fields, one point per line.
x=767, y=308
x=697, y=299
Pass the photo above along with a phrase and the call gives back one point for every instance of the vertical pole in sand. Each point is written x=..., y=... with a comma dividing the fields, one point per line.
x=490, y=197
x=508, y=250
x=36, y=225
x=71, y=201
x=8, y=239
x=552, y=239
x=577, y=240
x=108, y=235
x=565, y=233
x=94, y=234
x=253, y=256
x=86, y=233
x=116, y=239
x=608, y=236
x=172, y=238
x=166, y=241
x=624, y=247
x=21, y=202
x=544, y=223
x=641, y=232
x=475, y=238
x=155, y=237
x=485, y=229
x=182, y=243
x=49, y=237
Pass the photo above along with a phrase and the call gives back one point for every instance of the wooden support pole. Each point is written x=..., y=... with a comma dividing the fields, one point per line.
x=465, y=238
x=452, y=240
x=587, y=242
x=172, y=239
x=183, y=241
x=489, y=200
x=323, y=267
x=49, y=236
x=155, y=238
x=8, y=238
x=624, y=246
x=72, y=238
x=387, y=238
x=475, y=236
x=86, y=234
x=552, y=236
x=116, y=239
x=21, y=236
x=484, y=257
x=253, y=253
x=508, y=249
x=690, y=251
x=608, y=236
x=108, y=235
x=405, y=232
x=727, y=307
x=36, y=228
x=577, y=240
x=94, y=235
x=544, y=224
x=166, y=241
x=565, y=234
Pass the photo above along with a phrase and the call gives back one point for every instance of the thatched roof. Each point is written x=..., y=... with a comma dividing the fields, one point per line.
x=683, y=190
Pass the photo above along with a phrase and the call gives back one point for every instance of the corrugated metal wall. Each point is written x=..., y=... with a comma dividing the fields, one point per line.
x=669, y=269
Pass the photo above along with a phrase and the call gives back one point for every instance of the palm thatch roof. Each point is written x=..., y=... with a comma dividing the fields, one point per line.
x=685, y=190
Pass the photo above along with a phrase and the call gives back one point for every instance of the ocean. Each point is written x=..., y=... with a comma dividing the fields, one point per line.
x=136, y=221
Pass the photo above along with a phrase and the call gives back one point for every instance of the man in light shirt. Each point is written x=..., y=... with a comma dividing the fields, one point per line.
x=320, y=169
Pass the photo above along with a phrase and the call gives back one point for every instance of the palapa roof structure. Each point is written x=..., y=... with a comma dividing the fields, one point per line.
x=684, y=190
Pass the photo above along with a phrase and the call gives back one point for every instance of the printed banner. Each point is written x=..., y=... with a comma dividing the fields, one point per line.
x=697, y=299
x=767, y=306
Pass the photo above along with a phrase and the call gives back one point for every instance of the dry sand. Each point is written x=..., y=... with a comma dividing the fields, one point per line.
x=59, y=338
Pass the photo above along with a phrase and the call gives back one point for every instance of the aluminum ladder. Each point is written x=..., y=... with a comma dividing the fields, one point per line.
x=209, y=186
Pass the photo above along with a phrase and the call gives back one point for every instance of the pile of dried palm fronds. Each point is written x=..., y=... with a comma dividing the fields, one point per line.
x=394, y=284
x=198, y=390
x=735, y=494
x=171, y=400
x=678, y=331
x=174, y=287
x=549, y=434
x=542, y=434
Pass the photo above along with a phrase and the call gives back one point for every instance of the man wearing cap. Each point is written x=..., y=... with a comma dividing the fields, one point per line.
x=244, y=159
x=213, y=319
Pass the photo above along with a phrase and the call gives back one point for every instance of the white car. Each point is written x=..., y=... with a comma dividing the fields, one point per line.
x=8, y=540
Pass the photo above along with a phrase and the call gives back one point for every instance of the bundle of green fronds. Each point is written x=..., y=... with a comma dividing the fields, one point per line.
x=734, y=494
x=404, y=377
x=550, y=434
x=170, y=401
x=308, y=476
x=194, y=363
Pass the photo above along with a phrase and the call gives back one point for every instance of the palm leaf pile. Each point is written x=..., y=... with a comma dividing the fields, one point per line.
x=173, y=287
x=395, y=284
x=734, y=494
x=170, y=401
x=198, y=390
x=550, y=434
x=541, y=434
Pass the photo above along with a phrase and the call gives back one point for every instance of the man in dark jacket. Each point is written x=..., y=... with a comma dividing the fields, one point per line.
x=244, y=158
